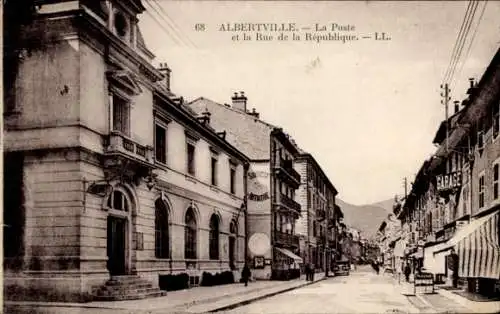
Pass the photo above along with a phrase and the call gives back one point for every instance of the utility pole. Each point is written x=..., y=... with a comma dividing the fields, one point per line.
x=446, y=98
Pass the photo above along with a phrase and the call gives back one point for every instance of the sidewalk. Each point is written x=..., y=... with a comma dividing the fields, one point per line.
x=198, y=299
x=474, y=306
x=441, y=300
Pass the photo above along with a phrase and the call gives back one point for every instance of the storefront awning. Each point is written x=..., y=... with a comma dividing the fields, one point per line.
x=478, y=247
x=291, y=255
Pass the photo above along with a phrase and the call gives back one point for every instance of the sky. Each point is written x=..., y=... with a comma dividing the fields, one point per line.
x=367, y=110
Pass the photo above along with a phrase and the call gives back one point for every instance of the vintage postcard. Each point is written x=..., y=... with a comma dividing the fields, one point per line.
x=168, y=156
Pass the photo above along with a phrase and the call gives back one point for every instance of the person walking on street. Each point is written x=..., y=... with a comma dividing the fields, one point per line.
x=312, y=273
x=407, y=272
x=245, y=274
x=375, y=267
x=307, y=270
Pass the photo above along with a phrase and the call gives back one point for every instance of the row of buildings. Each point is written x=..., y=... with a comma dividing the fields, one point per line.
x=454, y=203
x=108, y=174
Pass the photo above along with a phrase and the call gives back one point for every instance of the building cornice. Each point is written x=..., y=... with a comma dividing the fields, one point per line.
x=165, y=105
x=310, y=158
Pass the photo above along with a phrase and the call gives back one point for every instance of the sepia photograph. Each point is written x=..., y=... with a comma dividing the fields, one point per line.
x=244, y=156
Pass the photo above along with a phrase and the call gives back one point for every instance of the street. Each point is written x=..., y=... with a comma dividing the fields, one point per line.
x=363, y=291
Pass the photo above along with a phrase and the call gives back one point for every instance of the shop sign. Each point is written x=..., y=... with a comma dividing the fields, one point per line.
x=449, y=181
x=258, y=197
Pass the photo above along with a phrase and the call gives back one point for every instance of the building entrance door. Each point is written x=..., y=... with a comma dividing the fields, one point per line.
x=116, y=245
x=232, y=242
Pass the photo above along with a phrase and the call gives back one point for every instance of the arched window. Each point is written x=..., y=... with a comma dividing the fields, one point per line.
x=162, y=241
x=214, y=237
x=233, y=236
x=118, y=201
x=190, y=235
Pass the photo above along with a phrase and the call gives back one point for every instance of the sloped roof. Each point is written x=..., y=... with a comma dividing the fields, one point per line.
x=247, y=133
x=441, y=132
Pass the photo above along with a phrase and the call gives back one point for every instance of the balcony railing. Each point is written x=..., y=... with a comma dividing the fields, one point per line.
x=285, y=168
x=290, y=203
x=286, y=239
x=121, y=145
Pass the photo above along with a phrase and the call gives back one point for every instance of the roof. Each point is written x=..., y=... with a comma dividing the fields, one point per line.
x=441, y=132
x=307, y=156
x=238, y=126
x=338, y=211
x=479, y=104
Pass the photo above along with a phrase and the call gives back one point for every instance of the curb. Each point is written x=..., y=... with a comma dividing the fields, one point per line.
x=110, y=307
x=264, y=296
x=217, y=298
x=460, y=300
x=184, y=305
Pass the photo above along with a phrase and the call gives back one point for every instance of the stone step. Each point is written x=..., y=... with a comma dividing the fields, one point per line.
x=118, y=284
x=104, y=292
x=129, y=287
x=130, y=278
x=135, y=296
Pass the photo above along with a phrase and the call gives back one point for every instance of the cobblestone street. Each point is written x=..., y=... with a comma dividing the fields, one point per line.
x=361, y=292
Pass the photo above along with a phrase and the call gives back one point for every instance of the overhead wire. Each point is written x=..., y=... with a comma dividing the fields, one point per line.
x=167, y=23
x=165, y=29
x=472, y=40
x=457, y=40
x=172, y=23
x=469, y=24
x=462, y=35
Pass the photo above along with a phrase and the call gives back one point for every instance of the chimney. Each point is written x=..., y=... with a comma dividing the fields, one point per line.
x=222, y=134
x=165, y=70
x=254, y=113
x=178, y=101
x=205, y=117
x=457, y=105
x=471, y=87
x=240, y=101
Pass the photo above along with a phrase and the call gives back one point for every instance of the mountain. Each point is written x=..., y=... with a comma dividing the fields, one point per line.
x=366, y=218
x=386, y=204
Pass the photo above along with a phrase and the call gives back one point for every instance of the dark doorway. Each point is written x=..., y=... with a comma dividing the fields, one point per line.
x=232, y=244
x=116, y=245
x=14, y=211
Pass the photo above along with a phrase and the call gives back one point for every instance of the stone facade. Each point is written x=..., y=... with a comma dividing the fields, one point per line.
x=317, y=224
x=104, y=165
x=272, y=183
x=458, y=188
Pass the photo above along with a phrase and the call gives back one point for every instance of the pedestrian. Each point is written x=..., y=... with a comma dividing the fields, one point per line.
x=312, y=273
x=407, y=272
x=245, y=274
x=307, y=270
x=454, y=268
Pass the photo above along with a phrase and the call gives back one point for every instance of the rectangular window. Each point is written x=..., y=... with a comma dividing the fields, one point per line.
x=121, y=115
x=481, y=191
x=308, y=198
x=160, y=144
x=190, y=158
x=214, y=170
x=495, y=181
x=232, y=179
